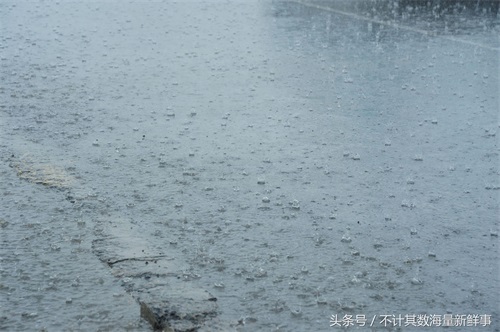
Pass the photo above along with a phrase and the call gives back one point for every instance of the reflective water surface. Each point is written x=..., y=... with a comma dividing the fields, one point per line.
x=299, y=161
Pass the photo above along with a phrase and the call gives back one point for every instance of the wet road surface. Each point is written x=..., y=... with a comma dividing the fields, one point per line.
x=292, y=161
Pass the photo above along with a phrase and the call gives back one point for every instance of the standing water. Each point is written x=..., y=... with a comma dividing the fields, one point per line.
x=249, y=166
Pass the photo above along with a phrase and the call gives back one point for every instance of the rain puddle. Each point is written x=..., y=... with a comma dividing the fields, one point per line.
x=243, y=166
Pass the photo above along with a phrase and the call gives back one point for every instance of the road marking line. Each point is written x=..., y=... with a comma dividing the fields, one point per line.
x=393, y=25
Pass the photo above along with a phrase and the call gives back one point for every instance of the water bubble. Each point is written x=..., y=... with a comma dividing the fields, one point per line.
x=273, y=257
x=355, y=280
x=29, y=314
x=294, y=205
x=296, y=312
x=416, y=281
x=346, y=238
x=407, y=204
x=260, y=273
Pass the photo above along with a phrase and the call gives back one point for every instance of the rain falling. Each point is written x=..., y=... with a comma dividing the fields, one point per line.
x=261, y=165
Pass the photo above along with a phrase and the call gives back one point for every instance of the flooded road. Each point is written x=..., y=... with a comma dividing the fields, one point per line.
x=249, y=166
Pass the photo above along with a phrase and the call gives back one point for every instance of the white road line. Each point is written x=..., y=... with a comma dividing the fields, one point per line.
x=394, y=25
